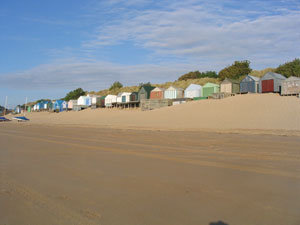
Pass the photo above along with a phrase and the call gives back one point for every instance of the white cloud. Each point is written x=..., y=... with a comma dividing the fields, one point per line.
x=199, y=30
x=91, y=75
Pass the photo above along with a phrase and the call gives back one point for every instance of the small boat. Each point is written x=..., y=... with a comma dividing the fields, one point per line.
x=21, y=118
x=3, y=119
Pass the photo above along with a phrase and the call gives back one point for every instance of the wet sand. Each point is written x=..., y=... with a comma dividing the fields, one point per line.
x=75, y=175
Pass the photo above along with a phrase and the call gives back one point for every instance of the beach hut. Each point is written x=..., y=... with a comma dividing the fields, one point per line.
x=59, y=105
x=71, y=104
x=18, y=109
x=209, y=88
x=174, y=92
x=65, y=105
x=271, y=82
x=250, y=84
x=119, y=97
x=144, y=92
x=193, y=91
x=230, y=86
x=134, y=97
x=29, y=107
x=110, y=100
x=102, y=101
x=290, y=86
x=157, y=93
x=84, y=101
x=125, y=97
x=95, y=100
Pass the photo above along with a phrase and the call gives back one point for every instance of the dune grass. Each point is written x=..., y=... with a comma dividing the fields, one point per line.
x=181, y=84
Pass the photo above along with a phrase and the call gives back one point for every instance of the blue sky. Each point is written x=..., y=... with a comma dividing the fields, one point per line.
x=48, y=48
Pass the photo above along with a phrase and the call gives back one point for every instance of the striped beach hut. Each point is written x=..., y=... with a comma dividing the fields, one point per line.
x=144, y=92
x=209, y=88
x=193, y=91
x=271, y=82
x=230, y=86
x=290, y=86
x=110, y=100
x=250, y=84
x=174, y=92
x=157, y=93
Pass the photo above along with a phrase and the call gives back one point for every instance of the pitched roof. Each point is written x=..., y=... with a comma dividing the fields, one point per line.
x=159, y=89
x=253, y=77
x=194, y=87
x=148, y=88
x=276, y=75
x=230, y=80
x=176, y=88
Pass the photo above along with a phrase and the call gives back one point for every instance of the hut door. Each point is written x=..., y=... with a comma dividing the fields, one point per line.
x=267, y=86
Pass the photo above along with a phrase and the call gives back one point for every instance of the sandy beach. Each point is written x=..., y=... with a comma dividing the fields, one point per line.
x=66, y=175
x=197, y=163
x=252, y=113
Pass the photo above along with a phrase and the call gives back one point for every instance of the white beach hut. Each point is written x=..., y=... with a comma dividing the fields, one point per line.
x=174, y=92
x=193, y=91
x=109, y=100
x=84, y=101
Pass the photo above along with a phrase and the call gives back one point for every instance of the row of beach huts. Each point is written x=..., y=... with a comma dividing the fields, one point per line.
x=149, y=97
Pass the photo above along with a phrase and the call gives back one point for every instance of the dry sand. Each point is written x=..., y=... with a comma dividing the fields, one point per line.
x=62, y=175
x=170, y=168
x=259, y=113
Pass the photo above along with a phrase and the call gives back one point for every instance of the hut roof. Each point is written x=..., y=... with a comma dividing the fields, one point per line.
x=147, y=88
x=193, y=87
x=211, y=85
x=175, y=88
x=254, y=78
x=158, y=89
x=227, y=80
x=275, y=75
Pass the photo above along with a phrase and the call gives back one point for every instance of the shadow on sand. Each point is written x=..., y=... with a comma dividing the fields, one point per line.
x=218, y=223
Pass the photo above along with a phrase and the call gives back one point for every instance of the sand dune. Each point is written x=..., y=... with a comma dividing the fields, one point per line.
x=242, y=112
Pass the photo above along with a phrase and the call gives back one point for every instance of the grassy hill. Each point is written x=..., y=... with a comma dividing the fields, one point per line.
x=182, y=84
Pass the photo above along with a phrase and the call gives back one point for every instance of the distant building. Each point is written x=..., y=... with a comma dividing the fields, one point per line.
x=144, y=92
x=230, y=86
x=271, y=82
x=110, y=100
x=84, y=101
x=174, y=92
x=193, y=91
x=290, y=86
x=209, y=88
x=157, y=93
x=250, y=84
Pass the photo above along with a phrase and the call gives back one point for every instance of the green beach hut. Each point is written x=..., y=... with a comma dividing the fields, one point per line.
x=209, y=88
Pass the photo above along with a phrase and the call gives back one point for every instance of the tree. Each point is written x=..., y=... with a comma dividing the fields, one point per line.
x=290, y=68
x=190, y=75
x=210, y=74
x=75, y=94
x=239, y=68
x=116, y=85
x=197, y=75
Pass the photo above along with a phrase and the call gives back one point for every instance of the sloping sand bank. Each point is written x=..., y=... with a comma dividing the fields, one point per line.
x=261, y=113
